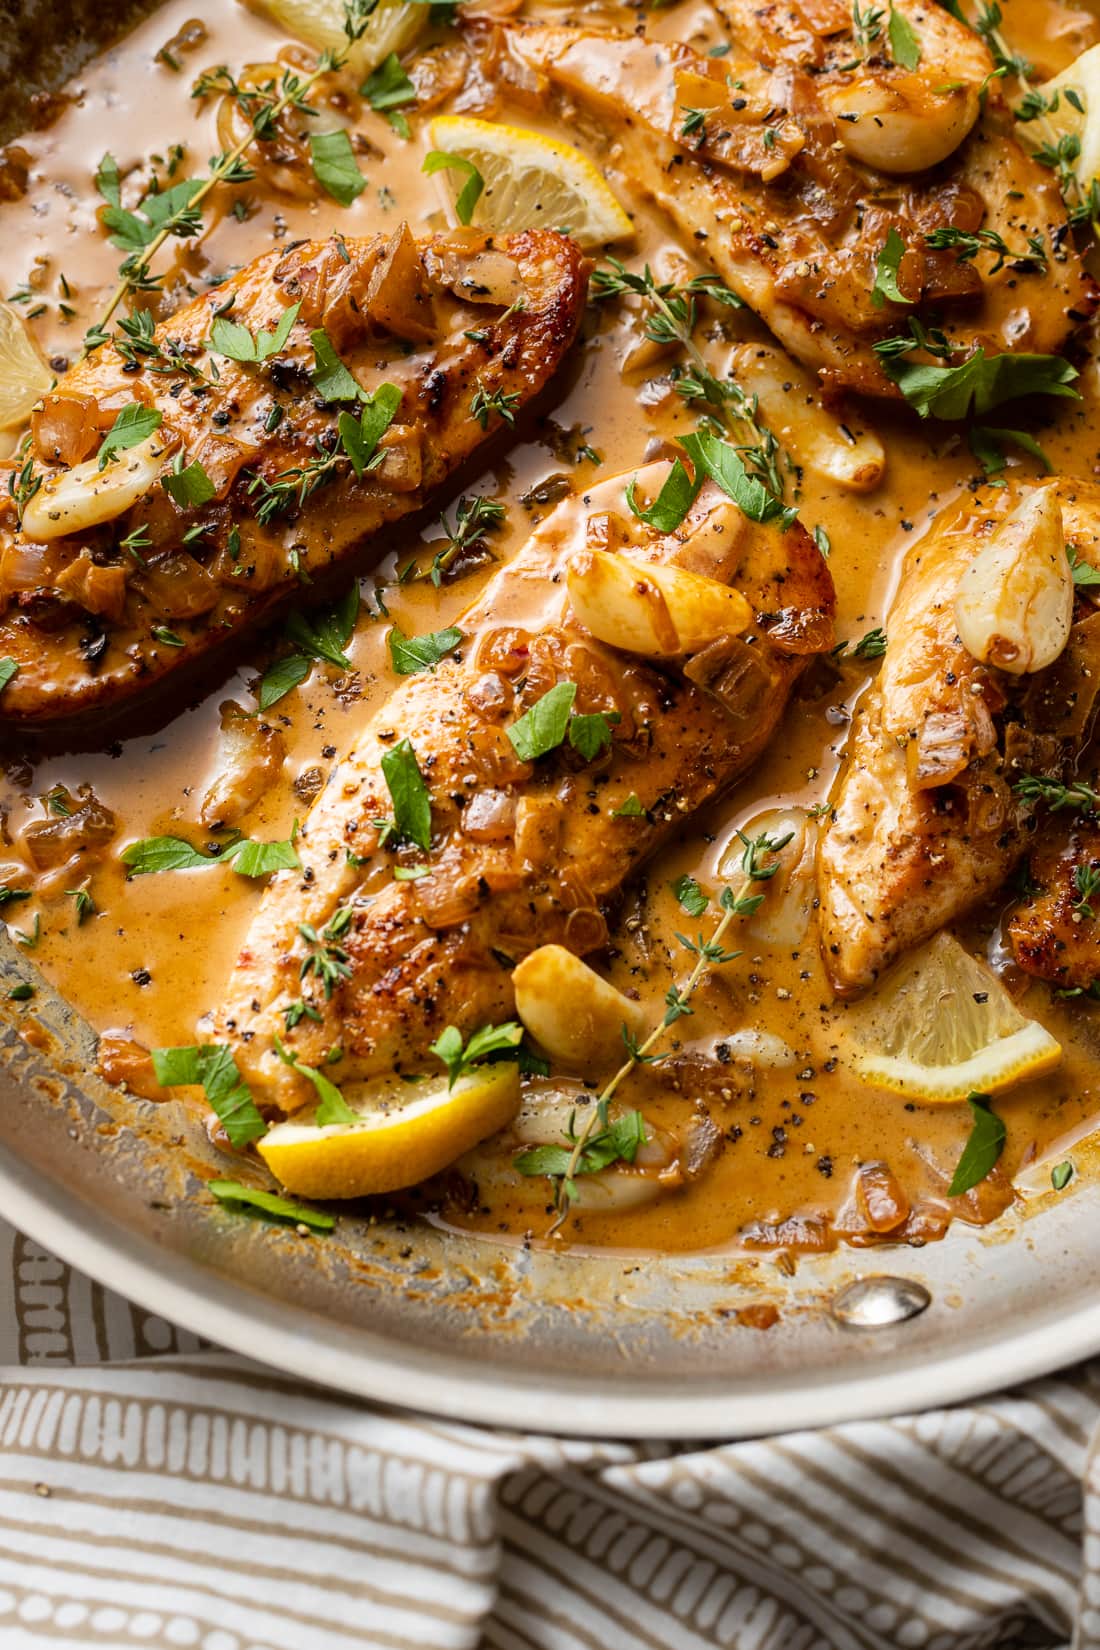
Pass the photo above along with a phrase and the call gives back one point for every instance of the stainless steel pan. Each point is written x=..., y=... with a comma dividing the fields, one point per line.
x=613, y=1345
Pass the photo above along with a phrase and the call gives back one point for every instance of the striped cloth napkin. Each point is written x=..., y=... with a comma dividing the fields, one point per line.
x=157, y=1492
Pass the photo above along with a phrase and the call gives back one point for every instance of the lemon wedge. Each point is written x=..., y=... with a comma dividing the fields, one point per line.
x=320, y=23
x=1077, y=114
x=24, y=376
x=941, y=1026
x=531, y=181
x=407, y=1133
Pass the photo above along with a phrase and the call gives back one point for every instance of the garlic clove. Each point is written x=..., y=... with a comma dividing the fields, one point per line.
x=792, y=405
x=1014, y=603
x=651, y=608
x=572, y=1012
x=86, y=496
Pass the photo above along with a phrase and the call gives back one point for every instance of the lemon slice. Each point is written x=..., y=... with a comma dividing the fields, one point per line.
x=320, y=23
x=1082, y=81
x=531, y=181
x=408, y=1132
x=24, y=376
x=941, y=1026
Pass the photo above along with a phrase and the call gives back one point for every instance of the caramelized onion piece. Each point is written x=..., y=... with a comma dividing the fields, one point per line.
x=250, y=760
x=65, y=428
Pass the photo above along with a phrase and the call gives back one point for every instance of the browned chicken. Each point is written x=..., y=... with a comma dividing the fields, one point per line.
x=260, y=474
x=793, y=160
x=522, y=852
x=1055, y=931
x=927, y=819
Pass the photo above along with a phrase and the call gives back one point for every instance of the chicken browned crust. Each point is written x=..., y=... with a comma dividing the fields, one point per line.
x=91, y=624
x=746, y=153
x=926, y=819
x=522, y=853
x=1054, y=931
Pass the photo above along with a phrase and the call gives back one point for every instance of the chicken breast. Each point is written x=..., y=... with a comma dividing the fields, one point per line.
x=259, y=476
x=1054, y=931
x=522, y=852
x=926, y=820
x=758, y=157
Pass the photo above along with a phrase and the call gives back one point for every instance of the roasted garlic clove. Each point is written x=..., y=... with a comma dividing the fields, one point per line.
x=1014, y=603
x=572, y=1012
x=86, y=496
x=792, y=406
x=655, y=610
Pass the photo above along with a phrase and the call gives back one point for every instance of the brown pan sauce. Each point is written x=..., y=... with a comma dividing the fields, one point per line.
x=796, y=1156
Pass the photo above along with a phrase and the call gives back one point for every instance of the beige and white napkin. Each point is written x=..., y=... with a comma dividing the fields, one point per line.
x=156, y=1492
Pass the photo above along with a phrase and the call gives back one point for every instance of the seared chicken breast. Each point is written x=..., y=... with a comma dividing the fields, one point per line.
x=927, y=818
x=793, y=160
x=522, y=852
x=256, y=475
x=1054, y=931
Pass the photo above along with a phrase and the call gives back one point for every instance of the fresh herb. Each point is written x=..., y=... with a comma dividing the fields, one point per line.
x=1086, y=884
x=870, y=646
x=231, y=339
x=982, y=1149
x=988, y=446
x=1061, y=1175
x=968, y=243
x=978, y=383
x=459, y=1057
x=332, y=1108
x=85, y=904
x=134, y=424
x=474, y=518
x=591, y=734
x=213, y=1068
x=9, y=670
x=630, y=809
x=168, y=638
x=1085, y=575
x=717, y=459
x=288, y=490
x=438, y=160
x=690, y=896
x=905, y=48
x=694, y=125
x=606, y=1143
x=107, y=180
x=278, y=679
x=483, y=403
x=188, y=487
x=677, y=495
x=236, y=1195
x=388, y=90
x=542, y=728
x=335, y=166
x=360, y=436
x=331, y=378
x=172, y=853
x=325, y=633
x=412, y=806
x=408, y=654
x=9, y=895
x=886, y=267
x=1034, y=788
x=326, y=958
x=21, y=993
x=866, y=26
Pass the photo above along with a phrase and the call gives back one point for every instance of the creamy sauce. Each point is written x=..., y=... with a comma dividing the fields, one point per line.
x=157, y=953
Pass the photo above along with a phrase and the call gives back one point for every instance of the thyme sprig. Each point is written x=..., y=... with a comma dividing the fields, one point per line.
x=673, y=313
x=758, y=864
x=135, y=272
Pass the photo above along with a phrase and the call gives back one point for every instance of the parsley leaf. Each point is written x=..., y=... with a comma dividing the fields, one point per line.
x=360, y=436
x=387, y=90
x=988, y=445
x=982, y=1149
x=886, y=269
x=335, y=166
x=134, y=424
x=331, y=378
x=677, y=495
x=542, y=728
x=231, y=339
x=690, y=895
x=325, y=634
x=905, y=48
x=234, y=1193
x=107, y=180
x=214, y=1069
x=278, y=679
x=172, y=853
x=8, y=672
x=259, y=859
x=717, y=459
x=1084, y=576
x=458, y=1058
x=589, y=735
x=616, y=1142
x=438, y=160
x=332, y=1109
x=412, y=807
x=408, y=654
x=630, y=809
x=979, y=383
x=190, y=488
x=1061, y=1175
